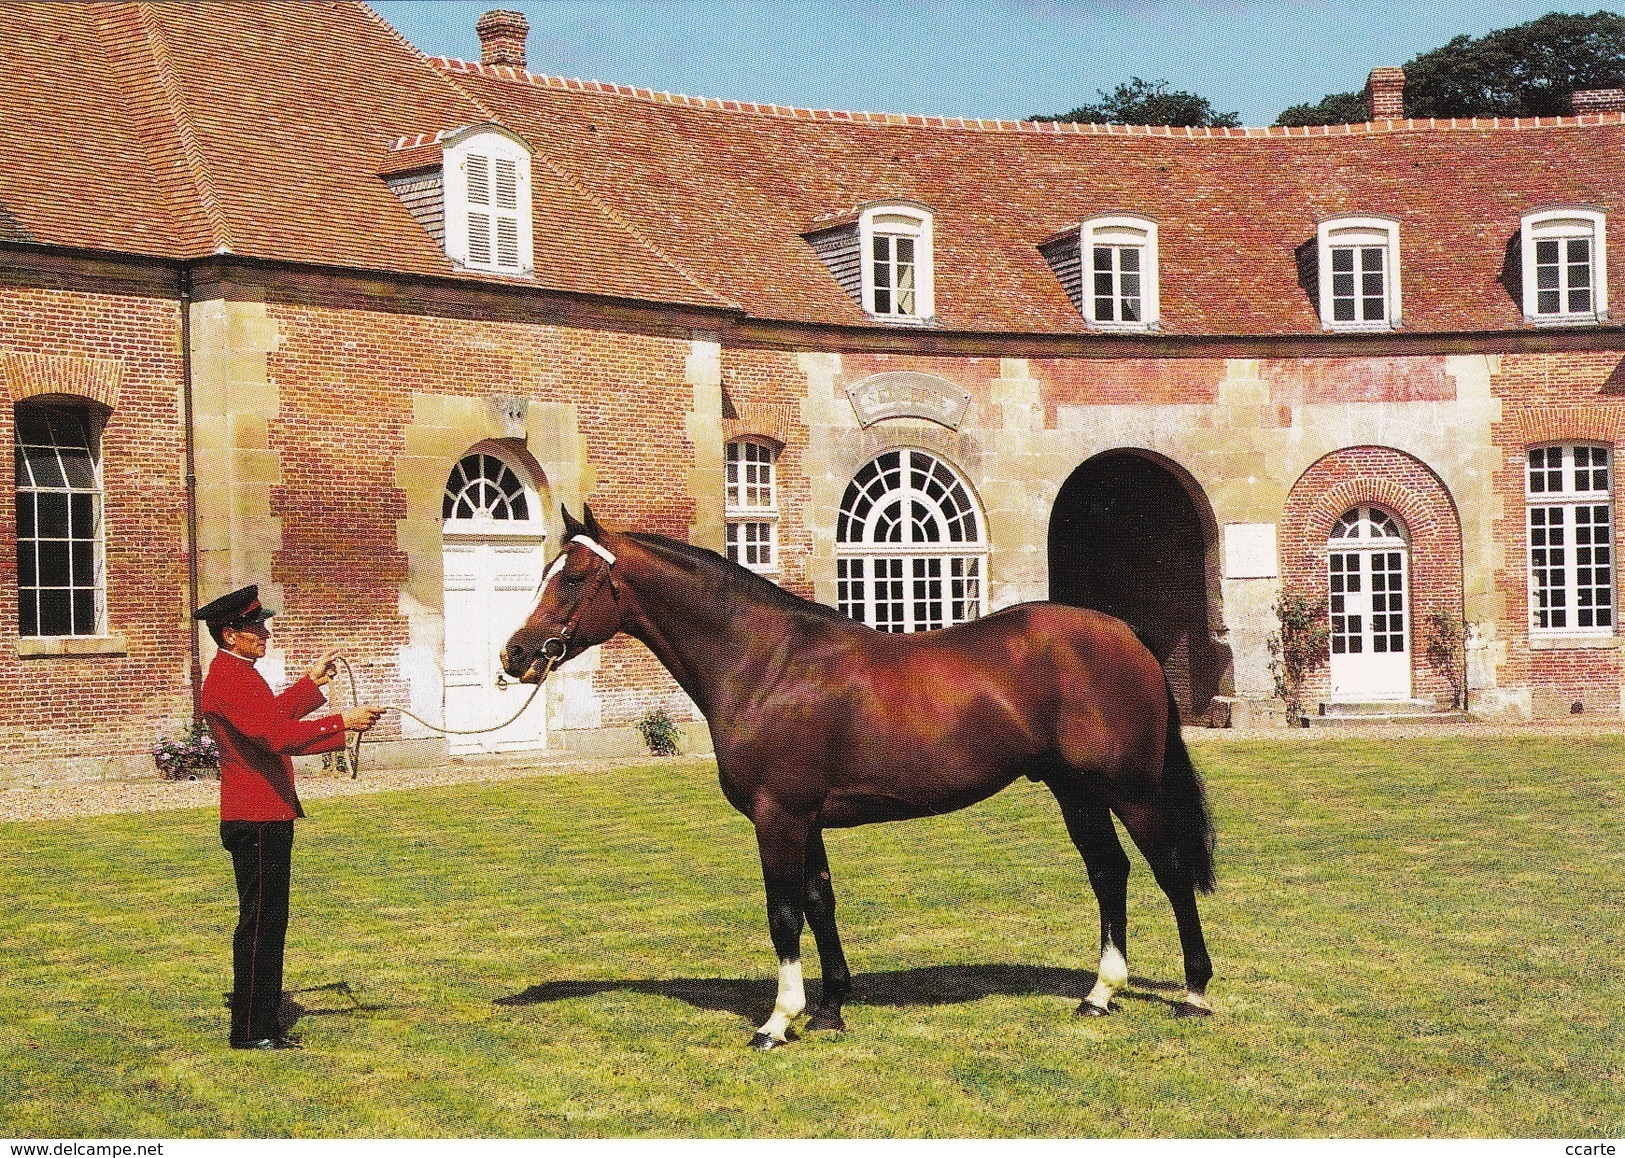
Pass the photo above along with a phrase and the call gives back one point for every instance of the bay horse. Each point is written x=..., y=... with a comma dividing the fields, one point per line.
x=819, y=721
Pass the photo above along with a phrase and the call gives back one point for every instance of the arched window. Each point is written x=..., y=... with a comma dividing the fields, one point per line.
x=483, y=489
x=1120, y=260
x=1564, y=263
x=911, y=552
x=1359, y=273
x=60, y=570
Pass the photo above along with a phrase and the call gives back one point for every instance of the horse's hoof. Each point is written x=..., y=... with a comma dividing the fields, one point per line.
x=1187, y=1009
x=1089, y=1009
x=826, y=1021
x=765, y=1042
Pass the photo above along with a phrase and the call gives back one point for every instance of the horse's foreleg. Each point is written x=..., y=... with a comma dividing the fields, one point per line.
x=820, y=905
x=1089, y=823
x=783, y=845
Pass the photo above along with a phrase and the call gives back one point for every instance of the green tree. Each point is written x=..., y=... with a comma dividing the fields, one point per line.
x=1527, y=70
x=1147, y=102
x=1338, y=108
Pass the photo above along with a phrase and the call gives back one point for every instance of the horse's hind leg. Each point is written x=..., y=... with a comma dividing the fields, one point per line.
x=1089, y=823
x=820, y=905
x=1176, y=884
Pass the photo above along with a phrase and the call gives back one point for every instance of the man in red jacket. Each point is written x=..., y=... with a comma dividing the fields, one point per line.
x=256, y=732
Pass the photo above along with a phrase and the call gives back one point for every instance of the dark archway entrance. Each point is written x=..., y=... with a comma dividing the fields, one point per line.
x=1127, y=538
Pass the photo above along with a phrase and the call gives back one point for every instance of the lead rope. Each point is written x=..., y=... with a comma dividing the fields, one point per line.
x=354, y=752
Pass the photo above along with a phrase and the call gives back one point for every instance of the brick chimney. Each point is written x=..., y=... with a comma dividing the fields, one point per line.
x=502, y=37
x=1385, y=94
x=1597, y=100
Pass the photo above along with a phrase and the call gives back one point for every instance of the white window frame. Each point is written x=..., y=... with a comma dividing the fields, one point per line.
x=1565, y=496
x=473, y=200
x=960, y=566
x=891, y=221
x=1562, y=224
x=1119, y=232
x=81, y=501
x=509, y=503
x=751, y=505
x=1360, y=234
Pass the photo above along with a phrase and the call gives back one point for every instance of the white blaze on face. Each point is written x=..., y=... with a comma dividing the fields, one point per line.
x=1112, y=976
x=792, y=1000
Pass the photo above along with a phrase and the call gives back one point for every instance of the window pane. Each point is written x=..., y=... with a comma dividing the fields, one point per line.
x=84, y=612
x=32, y=427
x=84, y=563
x=1130, y=257
x=55, y=612
x=53, y=515
x=45, y=468
x=53, y=563
x=1342, y=261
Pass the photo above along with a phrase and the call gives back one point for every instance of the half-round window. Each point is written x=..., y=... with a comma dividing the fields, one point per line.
x=484, y=489
x=911, y=551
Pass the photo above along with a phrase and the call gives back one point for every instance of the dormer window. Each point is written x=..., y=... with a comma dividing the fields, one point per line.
x=1563, y=268
x=1359, y=273
x=488, y=201
x=1120, y=263
x=895, y=241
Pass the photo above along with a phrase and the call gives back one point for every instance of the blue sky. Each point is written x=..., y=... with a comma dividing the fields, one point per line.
x=974, y=58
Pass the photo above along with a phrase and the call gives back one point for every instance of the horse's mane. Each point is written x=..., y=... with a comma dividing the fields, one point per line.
x=740, y=581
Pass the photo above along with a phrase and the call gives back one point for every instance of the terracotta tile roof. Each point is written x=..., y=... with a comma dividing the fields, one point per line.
x=266, y=129
x=731, y=188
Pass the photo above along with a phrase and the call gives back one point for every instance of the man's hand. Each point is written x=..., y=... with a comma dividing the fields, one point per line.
x=360, y=717
x=325, y=667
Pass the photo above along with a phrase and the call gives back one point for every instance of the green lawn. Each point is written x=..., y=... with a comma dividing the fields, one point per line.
x=1413, y=938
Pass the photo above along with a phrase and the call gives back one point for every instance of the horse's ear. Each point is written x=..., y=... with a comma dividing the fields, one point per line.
x=571, y=527
x=594, y=531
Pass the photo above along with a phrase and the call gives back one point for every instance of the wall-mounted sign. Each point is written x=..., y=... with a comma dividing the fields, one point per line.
x=1249, y=551
x=908, y=394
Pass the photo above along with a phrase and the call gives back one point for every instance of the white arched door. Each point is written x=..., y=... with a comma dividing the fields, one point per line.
x=1368, y=563
x=494, y=551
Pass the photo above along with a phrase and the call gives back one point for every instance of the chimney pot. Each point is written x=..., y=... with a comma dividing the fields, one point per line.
x=1385, y=94
x=502, y=37
x=1597, y=100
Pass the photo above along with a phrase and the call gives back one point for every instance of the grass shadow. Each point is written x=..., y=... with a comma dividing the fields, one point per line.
x=929, y=985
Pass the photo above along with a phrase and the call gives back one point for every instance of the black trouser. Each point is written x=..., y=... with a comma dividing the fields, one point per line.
x=262, y=858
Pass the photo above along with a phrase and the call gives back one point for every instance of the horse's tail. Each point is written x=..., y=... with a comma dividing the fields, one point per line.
x=1185, y=809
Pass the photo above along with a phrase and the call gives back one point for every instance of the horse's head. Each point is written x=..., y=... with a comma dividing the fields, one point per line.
x=579, y=606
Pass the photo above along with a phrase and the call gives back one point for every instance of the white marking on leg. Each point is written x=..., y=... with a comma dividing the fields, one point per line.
x=792, y=1000
x=1197, y=1001
x=1112, y=976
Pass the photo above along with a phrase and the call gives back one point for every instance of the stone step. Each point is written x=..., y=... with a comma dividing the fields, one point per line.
x=1376, y=707
x=1402, y=712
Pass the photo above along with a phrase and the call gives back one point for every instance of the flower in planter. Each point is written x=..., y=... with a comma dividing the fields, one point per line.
x=189, y=757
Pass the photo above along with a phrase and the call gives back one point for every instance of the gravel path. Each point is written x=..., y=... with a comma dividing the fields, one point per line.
x=49, y=800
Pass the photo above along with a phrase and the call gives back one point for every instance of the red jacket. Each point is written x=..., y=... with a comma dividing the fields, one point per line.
x=257, y=732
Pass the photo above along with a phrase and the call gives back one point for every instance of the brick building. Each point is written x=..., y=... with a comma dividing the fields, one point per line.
x=284, y=300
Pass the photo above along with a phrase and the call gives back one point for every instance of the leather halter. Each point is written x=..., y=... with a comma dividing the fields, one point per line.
x=561, y=641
